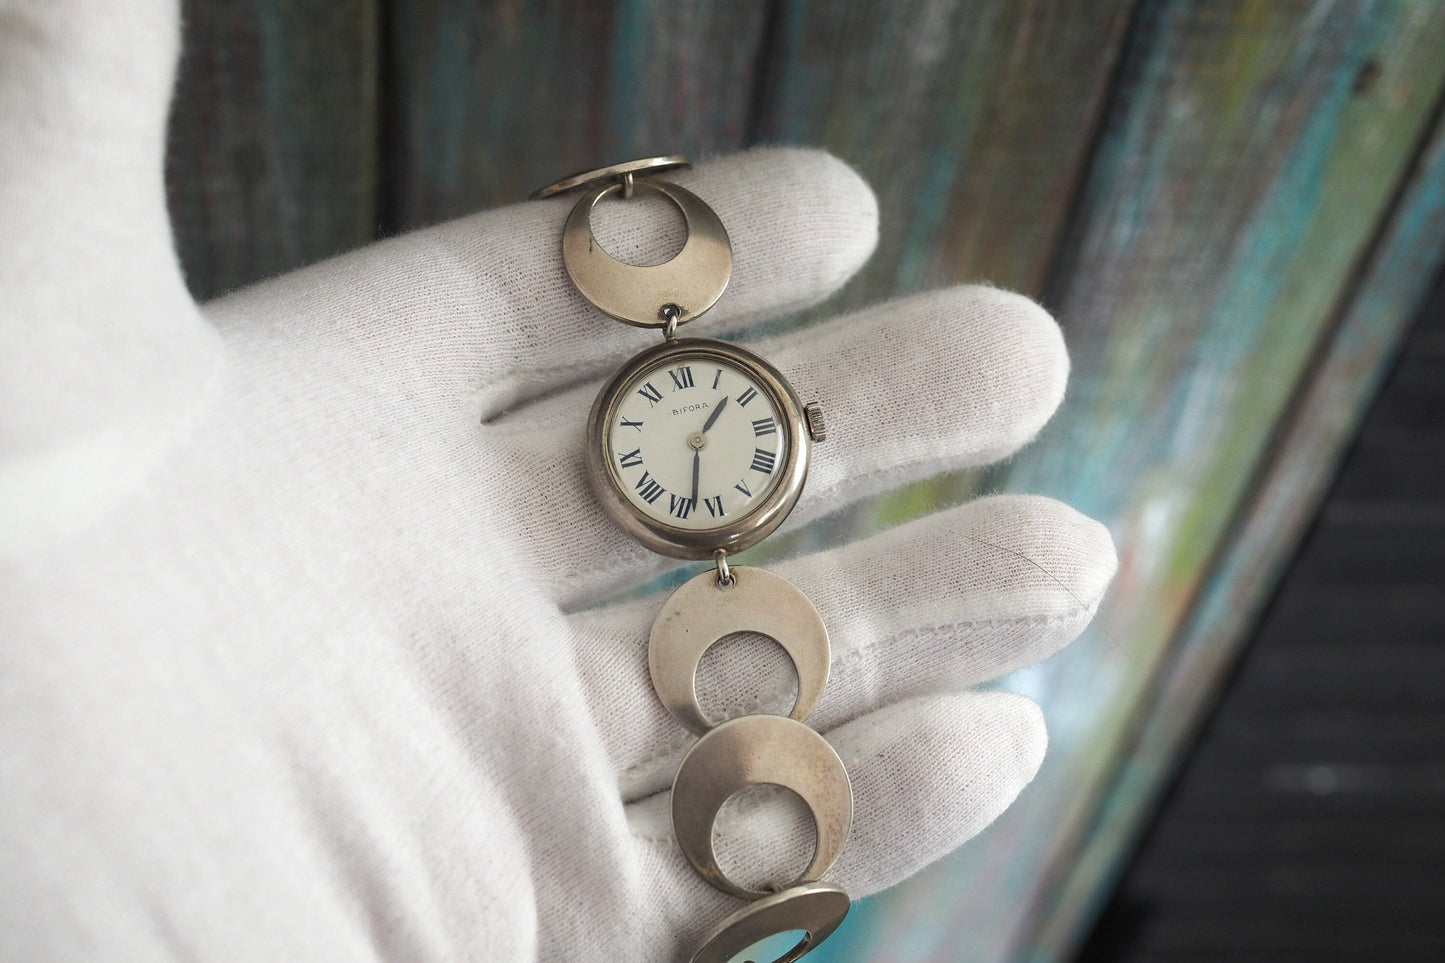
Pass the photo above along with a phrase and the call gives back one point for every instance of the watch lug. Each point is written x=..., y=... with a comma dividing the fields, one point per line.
x=813, y=415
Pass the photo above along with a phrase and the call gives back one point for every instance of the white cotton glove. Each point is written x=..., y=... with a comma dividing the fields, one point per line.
x=296, y=653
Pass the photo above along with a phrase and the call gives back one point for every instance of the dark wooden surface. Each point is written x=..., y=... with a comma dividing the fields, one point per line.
x=272, y=159
x=488, y=101
x=972, y=121
x=1309, y=822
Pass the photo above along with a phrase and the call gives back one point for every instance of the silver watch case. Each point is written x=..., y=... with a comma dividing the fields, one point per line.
x=748, y=529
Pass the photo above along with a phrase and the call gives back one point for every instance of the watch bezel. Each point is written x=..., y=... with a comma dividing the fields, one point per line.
x=748, y=529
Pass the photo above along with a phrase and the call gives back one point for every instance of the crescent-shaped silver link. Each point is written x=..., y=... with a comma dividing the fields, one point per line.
x=701, y=612
x=692, y=280
x=753, y=751
x=815, y=908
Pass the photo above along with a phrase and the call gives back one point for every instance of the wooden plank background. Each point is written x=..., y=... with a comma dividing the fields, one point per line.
x=487, y=101
x=272, y=159
x=1309, y=814
x=1249, y=154
x=972, y=121
x=1314, y=434
x=1195, y=187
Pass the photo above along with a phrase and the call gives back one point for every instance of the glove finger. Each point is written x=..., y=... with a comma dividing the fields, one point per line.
x=947, y=380
x=927, y=775
x=482, y=307
x=942, y=602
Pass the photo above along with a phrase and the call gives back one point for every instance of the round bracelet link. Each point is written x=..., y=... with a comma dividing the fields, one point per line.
x=622, y=173
x=817, y=909
x=756, y=750
x=693, y=279
x=697, y=615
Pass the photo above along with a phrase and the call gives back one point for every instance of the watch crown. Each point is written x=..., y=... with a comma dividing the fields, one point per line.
x=813, y=415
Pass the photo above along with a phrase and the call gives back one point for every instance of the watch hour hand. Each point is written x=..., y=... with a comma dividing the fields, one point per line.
x=713, y=417
x=696, y=467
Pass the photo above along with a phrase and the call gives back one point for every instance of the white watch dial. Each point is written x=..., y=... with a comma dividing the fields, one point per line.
x=696, y=443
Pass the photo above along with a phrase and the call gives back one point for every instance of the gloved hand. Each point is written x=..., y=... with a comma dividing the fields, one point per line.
x=301, y=654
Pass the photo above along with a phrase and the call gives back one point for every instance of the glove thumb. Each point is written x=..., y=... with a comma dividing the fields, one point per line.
x=104, y=352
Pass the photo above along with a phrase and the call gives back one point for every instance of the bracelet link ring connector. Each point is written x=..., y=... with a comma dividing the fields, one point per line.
x=725, y=578
x=669, y=314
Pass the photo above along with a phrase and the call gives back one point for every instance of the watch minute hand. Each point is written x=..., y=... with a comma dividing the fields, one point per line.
x=713, y=417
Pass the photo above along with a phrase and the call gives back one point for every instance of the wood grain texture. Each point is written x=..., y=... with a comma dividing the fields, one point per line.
x=1251, y=152
x=489, y=101
x=972, y=121
x=1277, y=514
x=1308, y=813
x=273, y=137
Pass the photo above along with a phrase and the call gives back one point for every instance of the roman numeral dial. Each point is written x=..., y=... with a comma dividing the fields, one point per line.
x=697, y=443
x=681, y=377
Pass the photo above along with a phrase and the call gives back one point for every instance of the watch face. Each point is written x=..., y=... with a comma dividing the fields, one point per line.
x=696, y=441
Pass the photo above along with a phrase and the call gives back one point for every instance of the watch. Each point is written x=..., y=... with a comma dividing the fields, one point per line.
x=699, y=449
x=698, y=446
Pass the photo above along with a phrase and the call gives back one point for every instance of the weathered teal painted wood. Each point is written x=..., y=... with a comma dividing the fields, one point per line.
x=273, y=137
x=491, y=100
x=1280, y=509
x=972, y=121
x=1246, y=164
